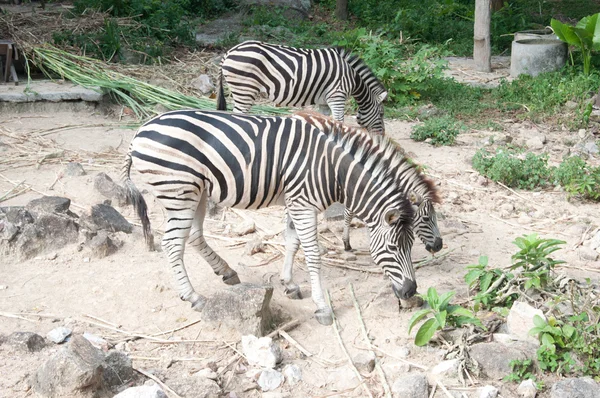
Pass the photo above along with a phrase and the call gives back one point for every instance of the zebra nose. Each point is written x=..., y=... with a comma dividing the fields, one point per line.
x=437, y=245
x=406, y=291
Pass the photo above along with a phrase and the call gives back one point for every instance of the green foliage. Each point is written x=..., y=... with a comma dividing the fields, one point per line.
x=442, y=130
x=440, y=314
x=586, y=185
x=554, y=336
x=522, y=369
x=585, y=36
x=571, y=169
x=489, y=283
x=534, y=259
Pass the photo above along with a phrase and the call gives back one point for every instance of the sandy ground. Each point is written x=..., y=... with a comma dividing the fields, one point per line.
x=132, y=288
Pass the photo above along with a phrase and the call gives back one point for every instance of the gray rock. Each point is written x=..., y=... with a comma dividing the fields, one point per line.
x=520, y=321
x=293, y=374
x=348, y=256
x=105, y=217
x=58, y=335
x=255, y=246
x=207, y=373
x=152, y=391
x=591, y=148
x=26, y=341
x=447, y=369
x=488, y=392
x=411, y=386
x=429, y=110
x=96, y=341
x=583, y=387
x=8, y=231
x=588, y=254
x=74, y=169
x=76, y=369
x=102, y=245
x=341, y=379
x=270, y=380
x=244, y=307
x=571, y=105
x=527, y=389
x=197, y=387
x=245, y=228
x=108, y=188
x=335, y=212
x=594, y=243
x=536, y=142
x=364, y=361
x=494, y=358
x=49, y=204
x=263, y=352
x=16, y=215
x=118, y=370
x=203, y=84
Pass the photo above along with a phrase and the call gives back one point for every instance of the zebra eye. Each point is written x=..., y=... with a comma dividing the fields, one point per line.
x=426, y=219
x=392, y=248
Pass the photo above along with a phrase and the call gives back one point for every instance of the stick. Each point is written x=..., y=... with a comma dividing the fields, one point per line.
x=415, y=365
x=526, y=227
x=339, y=338
x=177, y=329
x=295, y=343
x=425, y=261
x=439, y=383
x=131, y=334
x=386, y=386
x=5, y=196
x=157, y=380
x=433, y=389
x=9, y=315
x=518, y=194
x=102, y=320
x=579, y=268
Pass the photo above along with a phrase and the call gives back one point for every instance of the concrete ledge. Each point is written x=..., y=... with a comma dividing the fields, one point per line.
x=45, y=90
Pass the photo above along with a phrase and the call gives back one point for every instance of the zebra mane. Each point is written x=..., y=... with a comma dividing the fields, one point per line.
x=362, y=69
x=379, y=154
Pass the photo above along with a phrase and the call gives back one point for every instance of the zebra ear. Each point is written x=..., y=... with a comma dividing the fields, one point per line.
x=415, y=198
x=392, y=216
x=381, y=97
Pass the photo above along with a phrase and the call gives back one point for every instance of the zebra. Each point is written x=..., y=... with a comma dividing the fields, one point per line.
x=420, y=191
x=252, y=162
x=299, y=77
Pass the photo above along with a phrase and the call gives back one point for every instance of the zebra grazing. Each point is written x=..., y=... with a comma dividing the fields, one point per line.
x=420, y=191
x=299, y=77
x=252, y=162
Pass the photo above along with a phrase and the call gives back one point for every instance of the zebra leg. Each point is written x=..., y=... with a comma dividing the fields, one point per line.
x=305, y=221
x=337, y=103
x=292, y=243
x=242, y=102
x=197, y=241
x=179, y=223
x=348, y=216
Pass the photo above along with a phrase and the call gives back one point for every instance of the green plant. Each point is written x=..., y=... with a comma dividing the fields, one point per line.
x=490, y=284
x=571, y=169
x=522, y=369
x=554, y=337
x=440, y=314
x=585, y=36
x=442, y=130
x=534, y=259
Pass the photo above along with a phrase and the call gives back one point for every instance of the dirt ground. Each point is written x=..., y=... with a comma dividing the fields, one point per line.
x=132, y=290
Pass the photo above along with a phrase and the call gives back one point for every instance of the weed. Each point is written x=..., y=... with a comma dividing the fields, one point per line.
x=442, y=130
x=522, y=369
x=491, y=284
x=571, y=169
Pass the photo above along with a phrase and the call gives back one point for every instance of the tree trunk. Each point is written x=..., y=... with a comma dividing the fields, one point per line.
x=482, y=49
x=341, y=10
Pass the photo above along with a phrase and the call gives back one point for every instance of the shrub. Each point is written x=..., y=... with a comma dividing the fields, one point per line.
x=442, y=130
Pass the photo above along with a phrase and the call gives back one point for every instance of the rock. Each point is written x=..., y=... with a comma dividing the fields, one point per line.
x=536, y=142
x=364, y=361
x=58, y=335
x=255, y=246
x=102, y=245
x=342, y=379
x=413, y=302
x=494, y=358
x=590, y=148
x=118, y=370
x=26, y=341
x=527, y=389
x=203, y=84
x=411, y=386
x=488, y=392
x=153, y=391
x=348, y=256
x=583, y=387
x=270, y=380
x=293, y=374
x=49, y=204
x=108, y=188
x=445, y=369
x=262, y=351
x=207, y=373
x=244, y=307
x=588, y=254
x=571, y=105
x=335, y=212
x=429, y=110
x=520, y=321
x=16, y=215
x=196, y=387
x=581, y=133
x=105, y=217
x=594, y=243
x=482, y=181
x=245, y=228
x=76, y=369
x=50, y=231
x=96, y=341
x=74, y=169
x=8, y=231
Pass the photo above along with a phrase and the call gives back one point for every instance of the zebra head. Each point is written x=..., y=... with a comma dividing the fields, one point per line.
x=370, y=113
x=425, y=223
x=391, y=240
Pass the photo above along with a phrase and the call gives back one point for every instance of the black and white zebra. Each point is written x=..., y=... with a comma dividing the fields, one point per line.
x=252, y=162
x=299, y=77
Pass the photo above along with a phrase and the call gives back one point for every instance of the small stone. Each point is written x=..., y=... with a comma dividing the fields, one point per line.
x=364, y=361
x=527, y=389
x=270, y=380
x=293, y=374
x=335, y=212
x=482, y=181
x=536, y=142
x=102, y=245
x=262, y=351
x=348, y=256
x=58, y=335
x=255, y=246
x=96, y=341
x=582, y=387
x=571, y=105
x=520, y=321
x=322, y=228
x=153, y=391
x=494, y=358
x=108, y=188
x=402, y=352
x=591, y=148
x=413, y=302
x=52, y=257
x=582, y=133
x=445, y=369
x=203, y=84
x=26, y=341
x=588, y=254
x=74, y=169
x=488, y=392
x=49, y=204
x=207, y=373
x=196, y=387
x=105, y=217
x=594, y=243
x=245, y=228
x=117, y=369
x=411, y=386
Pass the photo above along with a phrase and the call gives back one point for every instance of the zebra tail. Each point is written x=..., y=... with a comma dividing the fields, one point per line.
x=221, y=103
x=139, y=204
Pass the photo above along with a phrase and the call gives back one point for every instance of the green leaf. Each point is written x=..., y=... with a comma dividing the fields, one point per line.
x=440, y=317
x=539, y=321
x=486, y=281
x=426, y=332
x=432, y=297
x=472, y=276
x=417, y=316
x=483, y=261
x=565, y=33
x=445, y=299
x=457, y=310
x=547, y=340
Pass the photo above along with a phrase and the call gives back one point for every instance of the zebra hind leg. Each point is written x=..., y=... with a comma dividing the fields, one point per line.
x=348, y=216
x=197, y=241
x=292, y=243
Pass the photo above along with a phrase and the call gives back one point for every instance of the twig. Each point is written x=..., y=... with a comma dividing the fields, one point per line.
x=386, y=386
x=341, y=342
x=439, y=383
x=425, y=261
x=157, y=380
x=415, y=365
x=526, y=227
x=172, y=359
x=187, y=325
x=518, y=194
x=103, y=320
x=9, y=315
x=433, y=389
x=373, y=270
x=295, y=343
x=579, y=268
x=5, y=196
x=131, y=334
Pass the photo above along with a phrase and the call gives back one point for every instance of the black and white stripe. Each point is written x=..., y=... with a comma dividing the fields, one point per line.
x=251, y=162
x=299, y=77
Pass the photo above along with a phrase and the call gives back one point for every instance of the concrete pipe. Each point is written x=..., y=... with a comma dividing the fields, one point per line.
x=535, y=56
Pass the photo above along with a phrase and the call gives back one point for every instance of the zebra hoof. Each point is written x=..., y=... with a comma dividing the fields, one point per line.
x=293, y=293
x=324, y=317
x=233, y=279
x=199, y=304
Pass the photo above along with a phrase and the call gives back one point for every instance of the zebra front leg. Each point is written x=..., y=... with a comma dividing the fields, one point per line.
x=196, y=240
x=337, y=104
x=348, y=216
x=305, y=221
x=292, y=243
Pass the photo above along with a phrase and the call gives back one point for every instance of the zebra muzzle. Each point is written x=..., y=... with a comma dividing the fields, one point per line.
x=406, y=290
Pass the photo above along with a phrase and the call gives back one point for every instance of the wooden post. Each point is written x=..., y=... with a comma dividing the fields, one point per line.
x=482, y=49
x=341, y=10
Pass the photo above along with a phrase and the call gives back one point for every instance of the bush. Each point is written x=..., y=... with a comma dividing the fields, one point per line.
x=442, y=130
